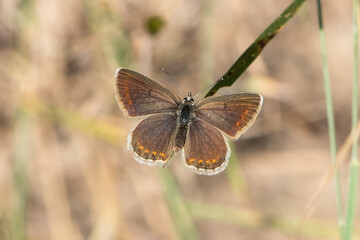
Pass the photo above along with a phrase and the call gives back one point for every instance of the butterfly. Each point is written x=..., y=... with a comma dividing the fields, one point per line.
x=172, y=124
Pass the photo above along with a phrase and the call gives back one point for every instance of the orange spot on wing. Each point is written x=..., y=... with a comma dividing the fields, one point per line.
x=162, y=155
x=127, y=95
x=214, y=161
x=238, y=122
x=126, y=88
x=208, y=162
x=246, y=112
x=154, y=152
x=200, y=161
x=130, y=102
x=191, y=160
x=141, y=147
x=146, y=150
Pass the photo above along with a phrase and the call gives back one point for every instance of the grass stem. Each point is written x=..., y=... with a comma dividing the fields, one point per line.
x=330, y=116
x=354, y=164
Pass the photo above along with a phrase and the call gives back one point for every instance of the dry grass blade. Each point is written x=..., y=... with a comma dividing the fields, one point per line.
x=328, y=175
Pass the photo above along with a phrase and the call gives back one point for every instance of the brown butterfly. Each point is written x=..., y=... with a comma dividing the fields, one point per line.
x=172, y=124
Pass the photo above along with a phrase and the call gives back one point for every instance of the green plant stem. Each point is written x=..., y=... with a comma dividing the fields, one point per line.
x=251, y=220
x=236, y=178
x=21, y=152
x=330, y=117
x=254, y=50
x=354, y=164
x=351, y=203
x=183, y=222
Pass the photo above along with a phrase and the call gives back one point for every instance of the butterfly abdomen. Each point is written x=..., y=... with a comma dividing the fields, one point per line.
x=180, y=138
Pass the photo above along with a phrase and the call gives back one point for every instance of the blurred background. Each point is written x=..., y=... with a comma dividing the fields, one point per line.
x=65, y=172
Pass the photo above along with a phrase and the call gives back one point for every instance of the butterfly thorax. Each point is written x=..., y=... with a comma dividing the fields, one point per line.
x=185, y=115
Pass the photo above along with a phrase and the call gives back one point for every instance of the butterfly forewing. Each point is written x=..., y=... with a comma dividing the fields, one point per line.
x=138, y=95
x=206, y=151
x=153, y=139
x=232, y=114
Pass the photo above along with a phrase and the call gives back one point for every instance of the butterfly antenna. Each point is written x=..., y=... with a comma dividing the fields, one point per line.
x=173, y=81
x=220, y=79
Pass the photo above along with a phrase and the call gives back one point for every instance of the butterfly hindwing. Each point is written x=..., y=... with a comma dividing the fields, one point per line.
x=138, y=95
x=152, y=140
x=233, y=114
x=206, y=151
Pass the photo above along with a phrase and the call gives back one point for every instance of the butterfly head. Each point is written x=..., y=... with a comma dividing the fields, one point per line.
x=188, y=99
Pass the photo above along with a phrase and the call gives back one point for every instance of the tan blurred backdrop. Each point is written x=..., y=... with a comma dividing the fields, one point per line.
x=65, y=172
